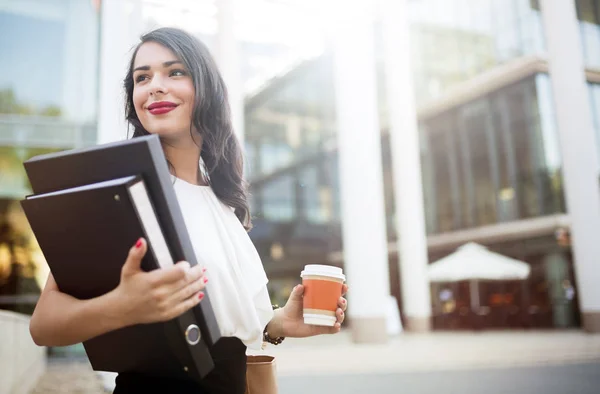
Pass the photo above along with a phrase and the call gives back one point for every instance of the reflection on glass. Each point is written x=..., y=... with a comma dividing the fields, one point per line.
x=587, y=13
x=428, y=175
x=526, y=149
x=506, y=188
x=442, y=167
x=480, y=160
x=315, y=195
x=274, y=151
x=54, y=52
x=279, y=199
x=594, y=91
x=498, y=161
x=292, y=118
x=454, y=40
x=23, y=270
x=331, y=171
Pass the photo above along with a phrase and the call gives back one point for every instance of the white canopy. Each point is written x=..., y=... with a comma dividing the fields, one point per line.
x=472, y=262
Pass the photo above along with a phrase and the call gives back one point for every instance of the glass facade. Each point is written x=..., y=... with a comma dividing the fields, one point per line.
x=291, y=120
x=48, y=91
x=492, y=160
x=455, y=40
x=594, y=91
x=48, y=101
x=588, y=13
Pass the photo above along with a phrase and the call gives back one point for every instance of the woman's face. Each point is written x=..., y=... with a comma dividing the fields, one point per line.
x=163, y=92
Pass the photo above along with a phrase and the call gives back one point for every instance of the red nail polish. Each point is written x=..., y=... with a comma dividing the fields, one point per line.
x=203, y=269
x=201, y=295
x=138, y=244
x=205, y=280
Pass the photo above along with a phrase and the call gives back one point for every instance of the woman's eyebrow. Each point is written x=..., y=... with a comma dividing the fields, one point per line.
x=165, y=64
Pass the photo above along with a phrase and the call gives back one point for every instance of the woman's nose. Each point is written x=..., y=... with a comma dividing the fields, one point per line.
x=157, y=85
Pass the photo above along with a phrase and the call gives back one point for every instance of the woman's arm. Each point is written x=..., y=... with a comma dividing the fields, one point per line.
x=61, y=320
x=141, y=297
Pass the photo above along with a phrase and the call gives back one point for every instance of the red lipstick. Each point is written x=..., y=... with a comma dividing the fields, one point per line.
x=161, y=107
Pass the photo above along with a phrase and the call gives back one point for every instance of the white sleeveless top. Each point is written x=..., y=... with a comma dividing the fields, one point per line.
x=237, y=283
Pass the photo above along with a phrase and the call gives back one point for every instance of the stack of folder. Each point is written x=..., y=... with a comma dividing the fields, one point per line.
x=88, y=207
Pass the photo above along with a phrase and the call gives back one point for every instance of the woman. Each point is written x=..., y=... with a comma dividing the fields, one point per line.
x=174, y=90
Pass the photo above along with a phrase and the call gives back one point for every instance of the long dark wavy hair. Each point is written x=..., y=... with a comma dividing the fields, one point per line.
x=211, y=117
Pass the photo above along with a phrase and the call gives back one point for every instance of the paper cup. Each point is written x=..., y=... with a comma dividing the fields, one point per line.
x=322, y=290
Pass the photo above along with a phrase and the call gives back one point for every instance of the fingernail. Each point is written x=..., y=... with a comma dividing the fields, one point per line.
x=138, y=244
x=205, y=279
x=343, y=301
x=204, y=269
x=201, y=295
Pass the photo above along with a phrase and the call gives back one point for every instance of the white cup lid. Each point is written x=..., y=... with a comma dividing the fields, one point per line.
x=323, y=270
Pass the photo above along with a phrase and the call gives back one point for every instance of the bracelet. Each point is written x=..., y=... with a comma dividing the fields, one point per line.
x=267, y=338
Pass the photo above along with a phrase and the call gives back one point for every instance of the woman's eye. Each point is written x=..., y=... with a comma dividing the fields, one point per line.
x=140, y=78
x=178, y=73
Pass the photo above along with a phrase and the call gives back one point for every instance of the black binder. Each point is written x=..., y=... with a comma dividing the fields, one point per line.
x=72, y=187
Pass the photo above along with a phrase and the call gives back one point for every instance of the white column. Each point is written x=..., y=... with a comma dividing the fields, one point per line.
x=408, y=184
x=578, y=146
x=361, y=176
x=228, y=58
x=120, y=29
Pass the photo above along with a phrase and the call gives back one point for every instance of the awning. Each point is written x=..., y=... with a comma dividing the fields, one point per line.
x=475, y=262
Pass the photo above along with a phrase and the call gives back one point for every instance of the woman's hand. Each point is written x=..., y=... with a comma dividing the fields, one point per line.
x=158, y=295
x=289, y=320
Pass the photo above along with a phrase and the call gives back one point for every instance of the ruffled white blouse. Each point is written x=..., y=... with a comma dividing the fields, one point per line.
x=237, y=283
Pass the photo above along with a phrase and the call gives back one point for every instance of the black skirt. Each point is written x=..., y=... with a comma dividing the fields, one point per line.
x=227, y=377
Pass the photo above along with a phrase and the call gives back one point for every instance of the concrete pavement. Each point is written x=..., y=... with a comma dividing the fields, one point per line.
x=334, y=358
x=327, y=355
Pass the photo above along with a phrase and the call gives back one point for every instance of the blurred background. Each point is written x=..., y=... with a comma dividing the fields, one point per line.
x=445, y=153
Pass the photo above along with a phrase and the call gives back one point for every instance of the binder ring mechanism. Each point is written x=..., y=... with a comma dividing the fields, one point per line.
x=192, y=334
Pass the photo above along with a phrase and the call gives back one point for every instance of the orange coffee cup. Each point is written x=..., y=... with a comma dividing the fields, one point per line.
x=322, y=290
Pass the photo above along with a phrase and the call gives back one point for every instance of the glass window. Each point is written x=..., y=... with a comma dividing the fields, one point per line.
x=54, y=55
x=278, y=198
x=273, y=153
x=507, y=173
x=480, y=159
x=454, y=40
x=316, y=195
x=23, y=269
x=587, y=13
x=594, y=91
x=291, y=119
x=551, y=160
x=250, y=159
x=494, y=159
x=429, y=186
x=48, y=99
x=444, y=170
x=331, y=169
x=524, y=151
